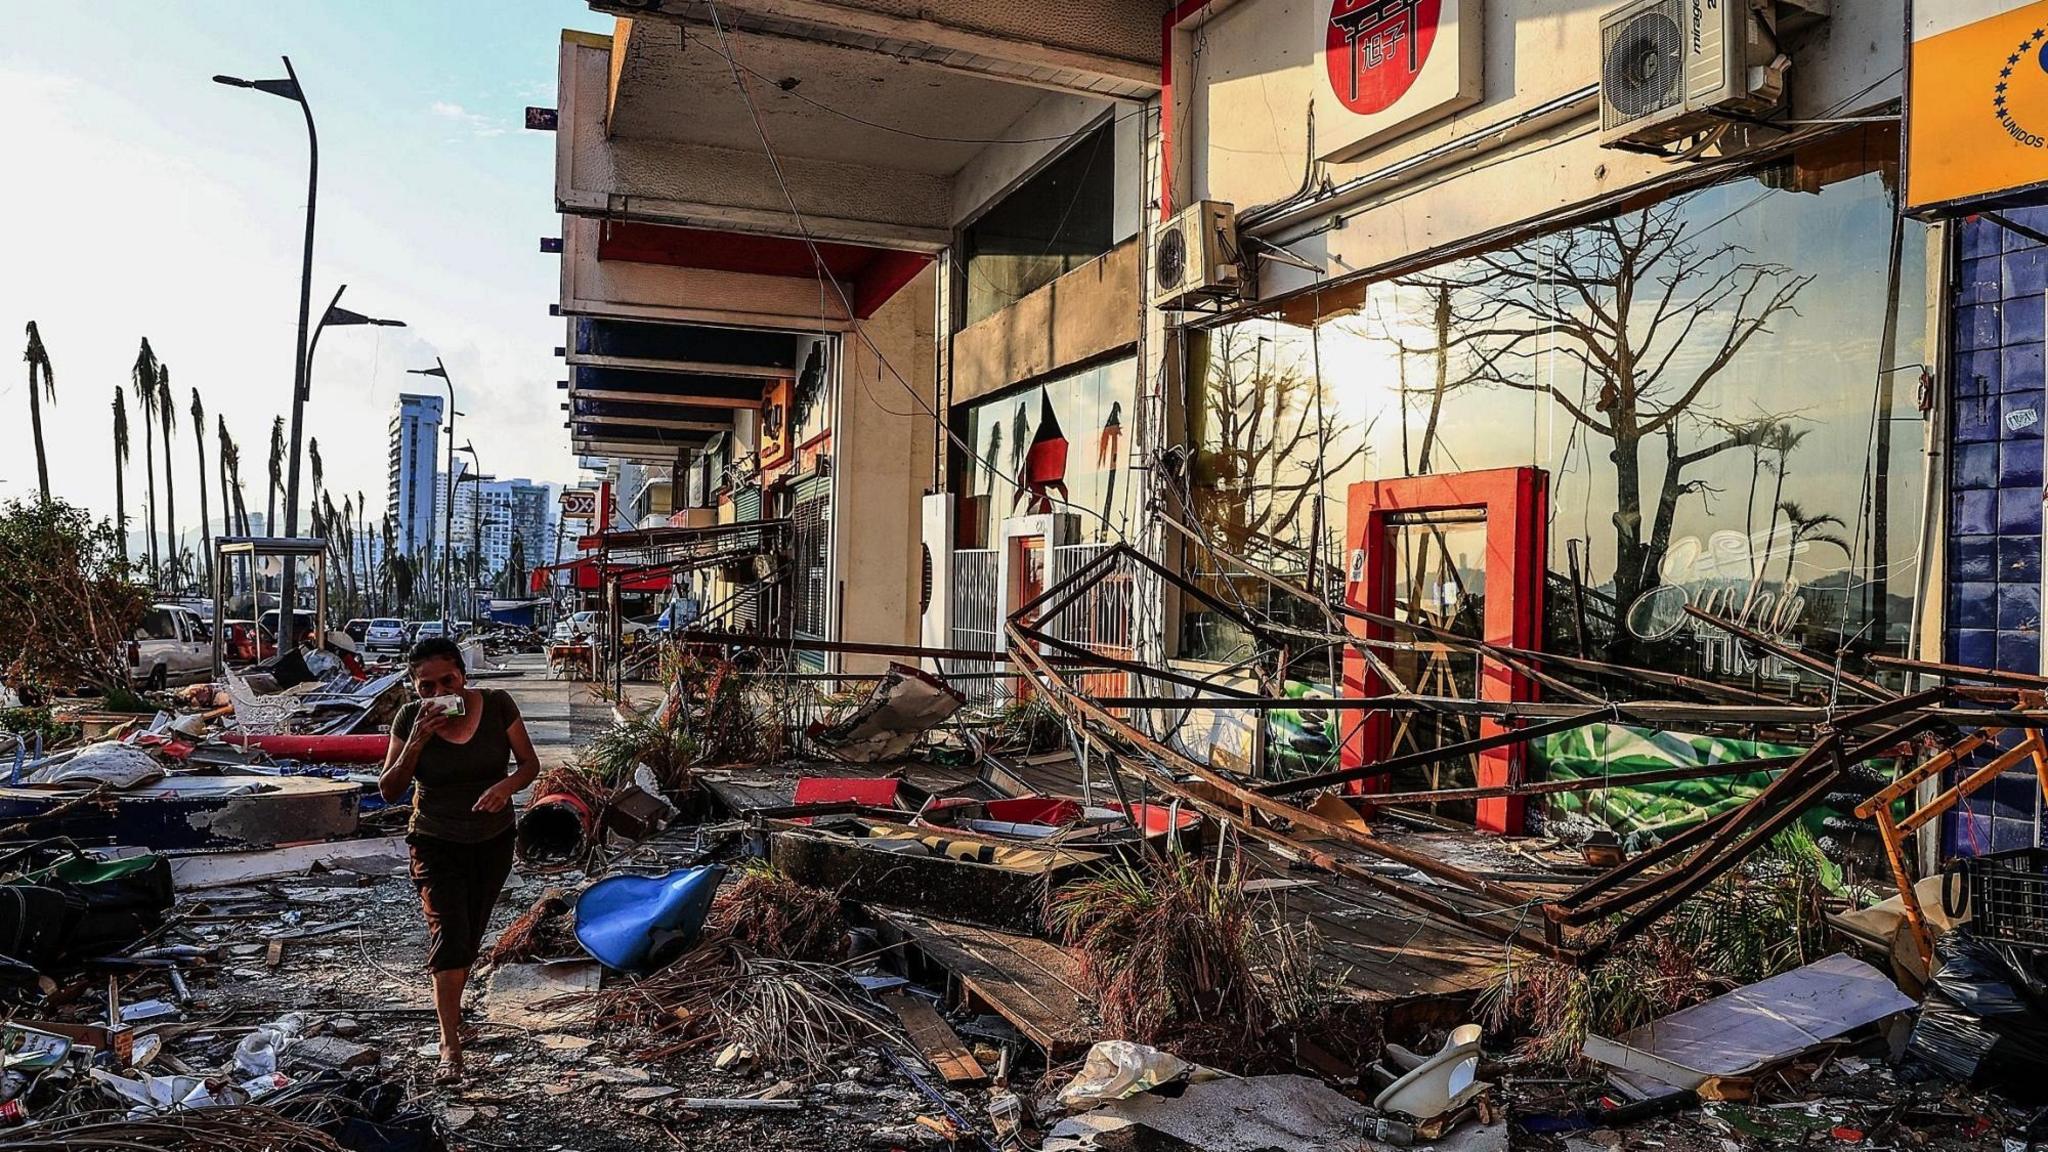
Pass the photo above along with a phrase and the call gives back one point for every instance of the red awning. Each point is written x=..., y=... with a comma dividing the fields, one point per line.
x=586, y=575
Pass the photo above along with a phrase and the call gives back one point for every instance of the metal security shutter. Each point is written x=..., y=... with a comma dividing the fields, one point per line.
x=811, y=536
x=746, y=504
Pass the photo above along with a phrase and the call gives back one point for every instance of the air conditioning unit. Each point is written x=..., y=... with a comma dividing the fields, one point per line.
x=1670, y=69
x=1195, y=256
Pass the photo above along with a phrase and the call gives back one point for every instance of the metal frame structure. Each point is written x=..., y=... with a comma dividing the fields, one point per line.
x=252, y=548
x=1590, y=921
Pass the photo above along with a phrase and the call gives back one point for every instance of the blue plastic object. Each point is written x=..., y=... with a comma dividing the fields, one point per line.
x=640, y=923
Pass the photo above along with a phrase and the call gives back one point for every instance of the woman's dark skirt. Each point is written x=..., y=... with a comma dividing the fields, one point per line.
x=458, y=885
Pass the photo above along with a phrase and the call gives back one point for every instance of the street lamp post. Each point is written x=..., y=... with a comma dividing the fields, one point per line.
x=447, y=514
x=289, y=89
x=476, y=524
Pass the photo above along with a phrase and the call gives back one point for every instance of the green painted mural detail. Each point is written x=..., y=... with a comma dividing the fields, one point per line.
x=1655, y=811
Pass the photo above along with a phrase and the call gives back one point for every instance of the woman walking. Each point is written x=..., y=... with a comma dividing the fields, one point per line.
x=453, y=744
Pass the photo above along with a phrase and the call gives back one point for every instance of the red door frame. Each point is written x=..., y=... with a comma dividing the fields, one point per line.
x=1515, y=501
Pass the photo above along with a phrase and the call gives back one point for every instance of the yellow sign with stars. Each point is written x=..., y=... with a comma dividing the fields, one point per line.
x=1976, y=101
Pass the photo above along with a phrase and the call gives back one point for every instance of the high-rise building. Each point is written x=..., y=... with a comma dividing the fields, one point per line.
x=490, y=514
x=415, y=439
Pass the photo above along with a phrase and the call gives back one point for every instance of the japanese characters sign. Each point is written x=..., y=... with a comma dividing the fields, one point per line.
x=1393, y=65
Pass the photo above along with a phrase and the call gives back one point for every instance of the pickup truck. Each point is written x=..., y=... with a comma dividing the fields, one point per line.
x=171, y=646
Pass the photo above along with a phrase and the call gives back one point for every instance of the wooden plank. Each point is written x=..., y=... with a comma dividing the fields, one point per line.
x=1033, y=984
x=936, y=1039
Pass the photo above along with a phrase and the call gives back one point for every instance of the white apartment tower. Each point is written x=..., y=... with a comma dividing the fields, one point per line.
x=415, y=441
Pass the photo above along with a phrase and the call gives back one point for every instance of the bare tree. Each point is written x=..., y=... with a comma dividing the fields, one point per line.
x=167, y=419
x=1652, y=318
x=1267, y=451
x=276, y=475
x=205, y=570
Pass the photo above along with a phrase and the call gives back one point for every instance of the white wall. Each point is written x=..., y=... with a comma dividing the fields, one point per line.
x=1241, y=123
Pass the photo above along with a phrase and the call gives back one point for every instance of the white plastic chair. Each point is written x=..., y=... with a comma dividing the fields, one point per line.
x=259, y=715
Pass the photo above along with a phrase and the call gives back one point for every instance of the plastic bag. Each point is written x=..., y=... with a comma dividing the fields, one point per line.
x=1985, y=1017
x=1120, y=1069
x=258, y=1052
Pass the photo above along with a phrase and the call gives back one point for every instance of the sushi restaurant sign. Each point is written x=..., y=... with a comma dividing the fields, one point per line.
x=1726, y=575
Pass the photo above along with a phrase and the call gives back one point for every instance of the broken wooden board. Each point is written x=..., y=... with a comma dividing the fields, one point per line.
x=1034, y=985
x=517, y=991
x=936, y=1040
x=219, y=869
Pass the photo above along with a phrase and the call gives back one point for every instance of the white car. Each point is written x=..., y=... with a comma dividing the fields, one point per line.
x=386, y=634
x=172, y=645
x=592, y=624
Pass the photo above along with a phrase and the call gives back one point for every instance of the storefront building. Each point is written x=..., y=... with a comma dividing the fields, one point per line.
x=1503, y=363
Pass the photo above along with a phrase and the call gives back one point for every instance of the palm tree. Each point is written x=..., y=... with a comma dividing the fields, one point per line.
x=363, y=535
x=142, y=377
x=205, y=529
x=1782, y=439
x=1808, y=529
x=276, y=475
x=235, y=473
x=319, y=471
x=120, y=464
x=38, y=357
x=167, y=418
x=224, y=448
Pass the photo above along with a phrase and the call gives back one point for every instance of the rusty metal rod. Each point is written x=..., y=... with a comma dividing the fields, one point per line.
x=1813, y=664
x=1584, y=783
x=1395, y=764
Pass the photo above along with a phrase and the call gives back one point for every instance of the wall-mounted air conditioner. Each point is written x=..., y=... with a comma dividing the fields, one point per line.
x=1670, y=69
x=1195, y=256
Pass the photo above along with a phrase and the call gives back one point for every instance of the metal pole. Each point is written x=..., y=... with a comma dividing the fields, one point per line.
x=291, y=505
x=447, y=513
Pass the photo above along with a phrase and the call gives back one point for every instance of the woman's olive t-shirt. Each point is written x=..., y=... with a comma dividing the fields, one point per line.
x=449, y=777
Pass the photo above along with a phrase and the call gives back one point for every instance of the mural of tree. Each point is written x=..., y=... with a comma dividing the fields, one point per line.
x=1266, y=427
x=1651, y=317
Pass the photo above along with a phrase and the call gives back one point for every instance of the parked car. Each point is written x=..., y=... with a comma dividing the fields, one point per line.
x=592, y=624
x=172, y=645
x=357, y=629
x=244, y=642
x=302, y=625
x=426, y=629
x=385, y=634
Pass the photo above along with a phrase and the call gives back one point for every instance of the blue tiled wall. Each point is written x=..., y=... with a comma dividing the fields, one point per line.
x=2000, y=410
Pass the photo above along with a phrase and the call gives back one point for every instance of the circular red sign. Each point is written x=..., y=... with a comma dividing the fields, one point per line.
x=1374, y=49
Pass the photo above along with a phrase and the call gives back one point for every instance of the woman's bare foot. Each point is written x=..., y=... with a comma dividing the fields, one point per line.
x=450, y=1071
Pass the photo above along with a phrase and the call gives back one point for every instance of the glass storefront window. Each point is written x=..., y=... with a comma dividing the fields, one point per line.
x=1056, y=221
x=1700, y=377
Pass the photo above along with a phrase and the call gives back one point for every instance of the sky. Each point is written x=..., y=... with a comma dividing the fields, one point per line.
x=143, y=200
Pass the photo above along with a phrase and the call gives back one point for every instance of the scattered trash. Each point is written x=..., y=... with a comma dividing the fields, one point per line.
x=1120, y=1069
x=1985, y=1018
x=905, y=704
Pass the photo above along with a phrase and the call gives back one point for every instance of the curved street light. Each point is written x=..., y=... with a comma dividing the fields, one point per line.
x=289, y=89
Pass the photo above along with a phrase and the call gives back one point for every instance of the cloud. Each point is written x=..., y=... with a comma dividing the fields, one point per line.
x=477, y=123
